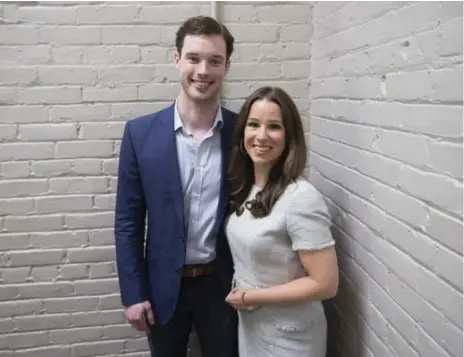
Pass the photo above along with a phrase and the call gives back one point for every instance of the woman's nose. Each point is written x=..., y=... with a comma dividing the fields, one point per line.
x=262, y=133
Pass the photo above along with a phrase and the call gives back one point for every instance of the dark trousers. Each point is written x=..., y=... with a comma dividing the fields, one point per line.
x=201, y=304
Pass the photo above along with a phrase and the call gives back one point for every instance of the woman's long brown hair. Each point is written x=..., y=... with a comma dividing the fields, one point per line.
x=286, y=170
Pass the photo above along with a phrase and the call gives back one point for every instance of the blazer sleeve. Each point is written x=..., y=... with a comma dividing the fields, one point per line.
x=130, y=225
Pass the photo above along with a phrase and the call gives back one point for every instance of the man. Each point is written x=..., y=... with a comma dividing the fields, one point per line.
x=172, y=172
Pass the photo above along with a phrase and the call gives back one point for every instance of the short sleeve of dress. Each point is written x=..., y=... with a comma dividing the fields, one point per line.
x=308, y=220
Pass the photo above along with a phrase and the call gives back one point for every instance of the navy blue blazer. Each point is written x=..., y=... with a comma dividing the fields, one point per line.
x=149, y=191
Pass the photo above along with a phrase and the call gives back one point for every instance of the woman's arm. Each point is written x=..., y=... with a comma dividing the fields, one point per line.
x=320, y=283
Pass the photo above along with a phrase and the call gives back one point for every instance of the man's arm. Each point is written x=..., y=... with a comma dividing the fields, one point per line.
x=130, y=226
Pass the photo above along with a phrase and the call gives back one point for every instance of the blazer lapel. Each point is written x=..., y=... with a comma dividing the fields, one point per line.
x=170, y=161
x=226, y=137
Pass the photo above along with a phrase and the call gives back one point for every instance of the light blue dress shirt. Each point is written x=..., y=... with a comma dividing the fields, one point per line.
x=200, y=174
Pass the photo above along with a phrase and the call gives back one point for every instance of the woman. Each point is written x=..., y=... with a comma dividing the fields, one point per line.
x=278, y=231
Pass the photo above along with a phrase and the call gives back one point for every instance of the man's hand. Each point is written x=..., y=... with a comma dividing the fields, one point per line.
x=135, y=315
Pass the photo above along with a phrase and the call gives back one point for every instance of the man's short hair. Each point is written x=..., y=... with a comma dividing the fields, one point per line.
x=204, y=25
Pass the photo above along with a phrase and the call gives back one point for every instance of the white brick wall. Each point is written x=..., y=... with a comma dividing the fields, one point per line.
x=386, y=149
x=71, y=74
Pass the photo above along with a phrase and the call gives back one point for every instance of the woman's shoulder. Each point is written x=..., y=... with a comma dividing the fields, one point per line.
x=301, y=187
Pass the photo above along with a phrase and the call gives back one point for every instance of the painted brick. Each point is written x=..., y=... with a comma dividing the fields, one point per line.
x=87, y=167
x=13, y=275
x=18, y=188
x=97, y=318
x=29, y=54
x=243, y=71
x=81, y=112
x=63, y=204
x=20, y=206
x=125, y=111
x=7, y=132
x=90, y=220
x=47, y=132
x=100, y=237
x=286, y=14
x=24, y=340
x=295, y=33
x=78, y=185
x=43, y=322
x=9, y=170
x=26, y=151
x=75, y=149
x=258, y=33
x=110, y=94
x=108, y=14
x=50, y=168
x=20, y=308
x=74, y=271
x=169, y=14
x=48, y=273
x=231, y=13
x=49, y=95
x=67, y=75
x=17, y=114
x=126, y=74
x=45, y=290
x=75, y=335
x=346, y=15
x=379, y=88
x=86, y=255
x=17, y=76
x=36, y=258
x=45, y=352
x=72, y=304
x=44, y=15
x=386, y=151
x=72, y=35
x=59, y=239
x=155, y=54
x=142, y=35
x=111, y=54
x=91, y=131
x=19, y=35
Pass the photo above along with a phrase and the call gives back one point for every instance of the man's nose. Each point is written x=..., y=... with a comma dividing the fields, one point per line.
x=202, y=67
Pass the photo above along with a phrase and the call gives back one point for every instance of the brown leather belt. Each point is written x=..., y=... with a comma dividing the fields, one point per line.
x=193, y=271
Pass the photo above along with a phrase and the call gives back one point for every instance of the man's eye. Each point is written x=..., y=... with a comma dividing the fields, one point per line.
x=192, y=59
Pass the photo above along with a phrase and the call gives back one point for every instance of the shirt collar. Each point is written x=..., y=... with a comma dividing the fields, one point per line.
x=217, y=125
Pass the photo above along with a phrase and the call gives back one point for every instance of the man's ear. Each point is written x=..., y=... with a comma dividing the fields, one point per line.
x=176, y=60
x=227, y=65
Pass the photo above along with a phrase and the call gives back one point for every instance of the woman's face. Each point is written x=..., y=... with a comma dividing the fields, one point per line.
x=264, y=136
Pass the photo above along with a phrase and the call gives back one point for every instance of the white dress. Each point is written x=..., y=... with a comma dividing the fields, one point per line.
x=265, y=254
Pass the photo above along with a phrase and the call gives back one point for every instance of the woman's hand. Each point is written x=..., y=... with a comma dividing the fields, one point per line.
x=237, y=299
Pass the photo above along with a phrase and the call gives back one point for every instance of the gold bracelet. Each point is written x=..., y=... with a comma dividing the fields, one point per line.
x=248, y=308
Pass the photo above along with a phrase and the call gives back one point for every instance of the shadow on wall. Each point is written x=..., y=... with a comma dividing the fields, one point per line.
x=345, y=325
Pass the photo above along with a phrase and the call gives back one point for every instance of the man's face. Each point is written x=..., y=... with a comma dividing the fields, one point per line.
x=202, y=66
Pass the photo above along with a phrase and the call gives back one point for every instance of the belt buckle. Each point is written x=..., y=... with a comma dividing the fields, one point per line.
x=194, y=272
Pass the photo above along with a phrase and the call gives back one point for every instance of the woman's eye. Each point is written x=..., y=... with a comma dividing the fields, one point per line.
x=253, y=125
